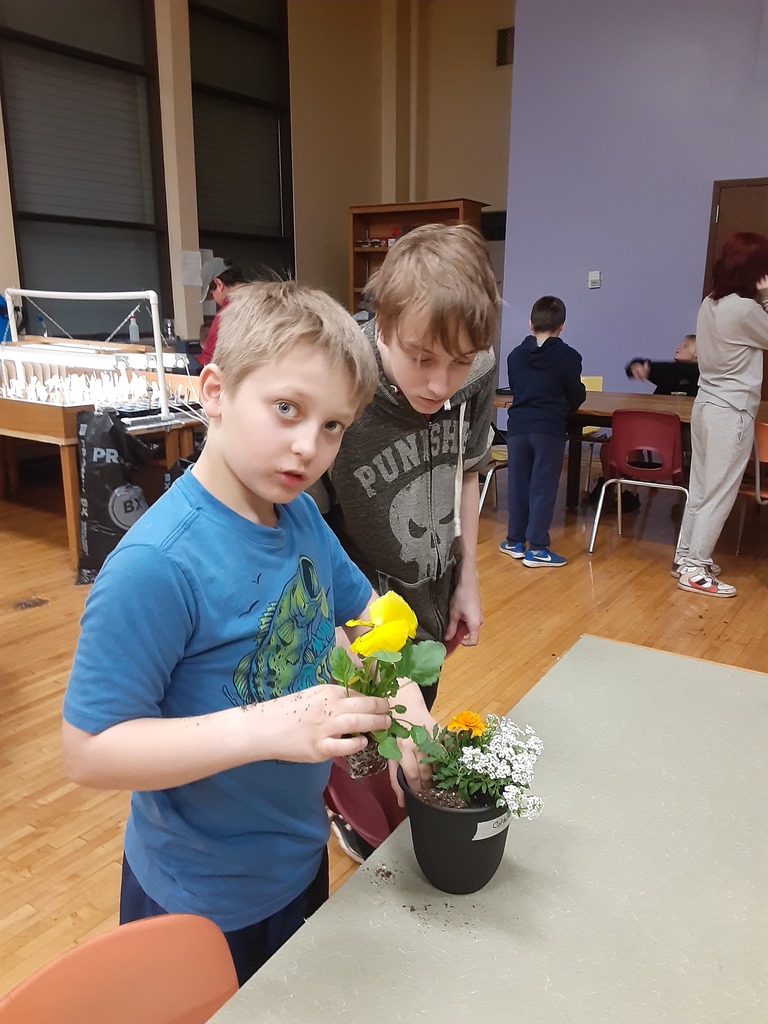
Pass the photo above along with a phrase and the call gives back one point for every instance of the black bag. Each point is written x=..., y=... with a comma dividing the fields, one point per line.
x=111, y=499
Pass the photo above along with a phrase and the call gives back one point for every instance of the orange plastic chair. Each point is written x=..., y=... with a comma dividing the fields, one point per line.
x=755, y=483
x=172, y=969
x=633, y=431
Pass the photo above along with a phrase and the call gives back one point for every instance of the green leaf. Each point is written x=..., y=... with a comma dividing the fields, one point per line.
x=398, y=729
x=388, y=748
x=419, y=734
x=400, y=709
x=379, y=734
x=422, y=661
x=343, y=668
x=434, y=750
x=390, y=657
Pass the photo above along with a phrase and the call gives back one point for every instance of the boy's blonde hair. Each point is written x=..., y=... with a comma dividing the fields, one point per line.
x=265, y=320
x=443, y=271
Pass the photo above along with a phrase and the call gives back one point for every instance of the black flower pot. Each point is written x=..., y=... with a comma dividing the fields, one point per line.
x=458, y=849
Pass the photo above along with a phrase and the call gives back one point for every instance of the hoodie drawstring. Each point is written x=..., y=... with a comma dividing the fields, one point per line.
x=458, y=480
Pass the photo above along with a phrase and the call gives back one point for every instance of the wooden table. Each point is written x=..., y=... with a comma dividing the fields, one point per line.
x=598, y=410
x=640, y=894
x=57, y=424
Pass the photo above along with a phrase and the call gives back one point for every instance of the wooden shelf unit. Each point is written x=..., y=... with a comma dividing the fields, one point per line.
x=387, y=221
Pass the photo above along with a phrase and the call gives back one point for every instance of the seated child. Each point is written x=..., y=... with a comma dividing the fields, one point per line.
x=199, y=680
x=670, y=378
x=677, y=377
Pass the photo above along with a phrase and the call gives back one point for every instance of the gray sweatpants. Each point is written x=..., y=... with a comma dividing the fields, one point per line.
x=721, y=443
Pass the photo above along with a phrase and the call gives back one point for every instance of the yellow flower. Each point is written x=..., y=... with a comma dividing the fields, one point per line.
x=392, y=621
x=467, y=721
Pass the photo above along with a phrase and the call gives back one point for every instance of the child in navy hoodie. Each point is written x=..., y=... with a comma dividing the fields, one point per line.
x=545, y=381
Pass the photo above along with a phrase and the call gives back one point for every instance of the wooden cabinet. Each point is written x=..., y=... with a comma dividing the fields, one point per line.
x=373, y=229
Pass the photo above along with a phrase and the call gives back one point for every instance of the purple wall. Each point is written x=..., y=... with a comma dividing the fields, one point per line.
x=623, y=115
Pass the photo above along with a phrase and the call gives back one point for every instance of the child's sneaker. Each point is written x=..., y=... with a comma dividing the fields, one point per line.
x=516, y=550
x=351, y=843
x=543, y=556
x=711, y=569
x=700, y=582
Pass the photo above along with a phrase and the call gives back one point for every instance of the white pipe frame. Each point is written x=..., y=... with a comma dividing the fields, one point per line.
x=149, y=296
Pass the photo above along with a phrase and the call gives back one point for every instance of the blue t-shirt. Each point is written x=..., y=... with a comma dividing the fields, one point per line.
x=197, y=610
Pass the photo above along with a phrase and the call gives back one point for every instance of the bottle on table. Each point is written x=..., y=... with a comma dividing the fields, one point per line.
x=133, y=329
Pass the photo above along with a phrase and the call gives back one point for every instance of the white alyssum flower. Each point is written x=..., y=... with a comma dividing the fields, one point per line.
x=508, y=755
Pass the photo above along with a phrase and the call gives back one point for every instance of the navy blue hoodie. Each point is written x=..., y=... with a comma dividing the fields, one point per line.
x=545, y=382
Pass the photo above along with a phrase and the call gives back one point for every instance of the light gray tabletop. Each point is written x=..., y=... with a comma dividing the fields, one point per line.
x=639, y=895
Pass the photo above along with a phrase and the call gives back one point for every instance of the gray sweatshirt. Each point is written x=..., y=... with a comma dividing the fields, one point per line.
x=394, y=483
x=731, y=334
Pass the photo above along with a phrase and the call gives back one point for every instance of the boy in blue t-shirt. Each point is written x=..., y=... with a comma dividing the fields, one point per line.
x=198, y=680
x=545, y=381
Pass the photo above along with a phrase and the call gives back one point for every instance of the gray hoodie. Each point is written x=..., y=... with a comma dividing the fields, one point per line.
x=394, y=489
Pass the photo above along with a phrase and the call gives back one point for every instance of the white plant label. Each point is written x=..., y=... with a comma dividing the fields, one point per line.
x=486, y=829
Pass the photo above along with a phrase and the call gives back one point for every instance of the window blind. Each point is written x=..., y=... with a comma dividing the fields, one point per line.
x=82, y=257
x=227, y=57
x=237, y=161
x=81, y=23
x=78, y=137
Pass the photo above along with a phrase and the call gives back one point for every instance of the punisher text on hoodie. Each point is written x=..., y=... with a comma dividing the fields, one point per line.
x=396, y=487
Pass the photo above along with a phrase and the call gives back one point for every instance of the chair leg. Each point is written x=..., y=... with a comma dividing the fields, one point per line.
x=598, y=510
x=589, y=466
x=486, y=484
x=742, y=517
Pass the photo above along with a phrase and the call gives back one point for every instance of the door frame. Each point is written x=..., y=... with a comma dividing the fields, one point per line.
x=718, y=188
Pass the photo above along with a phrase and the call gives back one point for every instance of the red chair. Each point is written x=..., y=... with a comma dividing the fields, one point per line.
x=369, y=804
x=755, y=482
x=635, y=432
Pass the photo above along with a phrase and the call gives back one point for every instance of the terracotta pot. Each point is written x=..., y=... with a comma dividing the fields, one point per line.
x=458, y=849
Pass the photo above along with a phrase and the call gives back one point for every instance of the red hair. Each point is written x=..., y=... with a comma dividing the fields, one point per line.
x=743, y=262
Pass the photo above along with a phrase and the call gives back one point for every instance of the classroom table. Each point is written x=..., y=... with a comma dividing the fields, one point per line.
x=57, y=424
x=640, y=893
x=598, y=410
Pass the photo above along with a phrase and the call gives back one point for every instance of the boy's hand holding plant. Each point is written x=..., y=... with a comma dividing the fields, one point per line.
x=391, y=661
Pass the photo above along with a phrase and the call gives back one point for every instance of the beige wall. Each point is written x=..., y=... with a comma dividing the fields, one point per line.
x=391, y=101
x=465, y=102
x=335, y=61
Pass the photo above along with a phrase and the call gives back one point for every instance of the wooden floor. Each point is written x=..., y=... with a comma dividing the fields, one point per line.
x=60, y=846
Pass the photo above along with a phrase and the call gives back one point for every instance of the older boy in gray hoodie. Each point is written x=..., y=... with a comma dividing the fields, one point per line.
x=405, y=491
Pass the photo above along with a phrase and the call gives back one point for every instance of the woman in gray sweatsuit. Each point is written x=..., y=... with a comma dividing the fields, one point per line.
x=731, y=334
